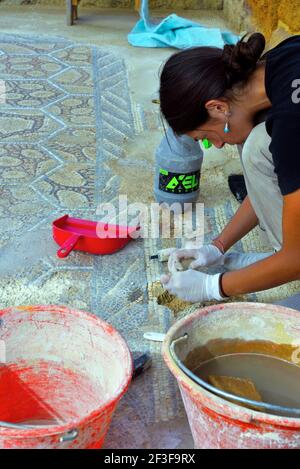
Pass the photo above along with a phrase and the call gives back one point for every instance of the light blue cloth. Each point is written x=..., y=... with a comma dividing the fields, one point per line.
x=174, y=31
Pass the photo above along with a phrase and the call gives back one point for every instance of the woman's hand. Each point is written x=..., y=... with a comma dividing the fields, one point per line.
x=192, y=286
x=204, y=256
x=210, y=255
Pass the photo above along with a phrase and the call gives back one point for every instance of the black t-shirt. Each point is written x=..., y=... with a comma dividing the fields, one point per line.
x=282, y=82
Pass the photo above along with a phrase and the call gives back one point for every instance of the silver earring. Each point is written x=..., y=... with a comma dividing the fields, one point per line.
x=226, y=128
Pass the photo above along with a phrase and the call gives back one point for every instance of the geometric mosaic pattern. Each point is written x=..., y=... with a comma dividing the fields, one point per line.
x=67, y=115
x=67, y=112
x=66, y=119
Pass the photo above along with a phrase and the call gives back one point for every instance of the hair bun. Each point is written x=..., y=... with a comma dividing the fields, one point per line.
x=240, y=59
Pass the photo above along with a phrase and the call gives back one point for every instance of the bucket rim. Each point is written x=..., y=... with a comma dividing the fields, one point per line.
x=109, y=405
x=222, y=406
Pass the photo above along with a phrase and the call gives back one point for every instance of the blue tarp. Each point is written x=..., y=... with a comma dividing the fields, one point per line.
x=174, y=31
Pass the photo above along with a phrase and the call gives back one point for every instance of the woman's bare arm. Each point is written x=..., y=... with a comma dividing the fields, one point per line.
x=281, y=267
x=243, y=221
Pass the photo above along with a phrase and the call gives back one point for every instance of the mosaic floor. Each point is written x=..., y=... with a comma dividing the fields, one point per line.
x=67, y=132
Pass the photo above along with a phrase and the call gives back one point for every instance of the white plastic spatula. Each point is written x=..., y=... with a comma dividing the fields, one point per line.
x=155, y=336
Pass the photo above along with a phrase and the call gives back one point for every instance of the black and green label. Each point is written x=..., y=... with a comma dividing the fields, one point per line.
x=178, y=183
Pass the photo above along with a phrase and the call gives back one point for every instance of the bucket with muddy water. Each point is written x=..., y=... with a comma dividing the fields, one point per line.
x=62, y=374
x=238, y=369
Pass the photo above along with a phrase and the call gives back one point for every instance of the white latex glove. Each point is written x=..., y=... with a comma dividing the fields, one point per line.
x=192, y=286
x=206, y=255
x=238, y=260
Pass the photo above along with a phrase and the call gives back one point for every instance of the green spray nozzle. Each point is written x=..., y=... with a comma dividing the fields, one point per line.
x=206, y=143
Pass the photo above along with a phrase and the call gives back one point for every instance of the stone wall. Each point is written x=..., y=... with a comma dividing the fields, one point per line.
x=289, y=14
x=238, y=15
x=270, y=15
x=154, y=4
x=266, y=16
x=187, y=4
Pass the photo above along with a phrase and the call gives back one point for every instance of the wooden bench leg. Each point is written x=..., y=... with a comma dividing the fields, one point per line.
x=75, y=4
x=72, y=11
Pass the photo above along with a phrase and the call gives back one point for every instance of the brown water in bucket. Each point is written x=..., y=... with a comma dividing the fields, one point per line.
x=228, y=328
x=277, y=381
x=268, y=365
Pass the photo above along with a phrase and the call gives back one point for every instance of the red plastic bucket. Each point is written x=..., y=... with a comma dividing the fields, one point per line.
x=215, y=422
x=62, y=374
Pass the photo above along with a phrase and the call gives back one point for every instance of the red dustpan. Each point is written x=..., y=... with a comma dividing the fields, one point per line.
x=90, y=236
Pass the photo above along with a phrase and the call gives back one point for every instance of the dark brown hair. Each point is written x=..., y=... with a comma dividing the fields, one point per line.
x=193, y=76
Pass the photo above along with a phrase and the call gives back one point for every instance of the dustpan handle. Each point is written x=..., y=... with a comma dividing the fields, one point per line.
x=68, y=246
x=263, y=406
